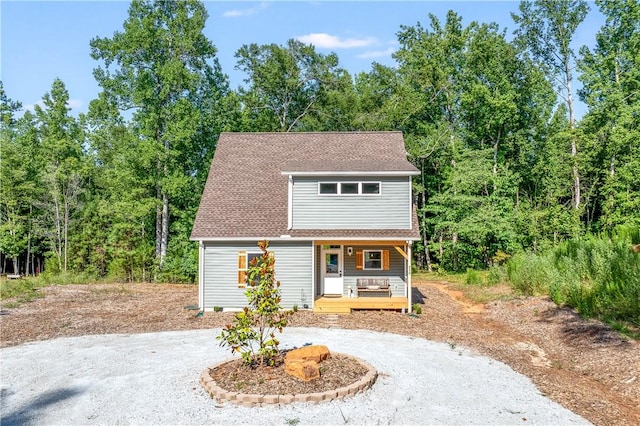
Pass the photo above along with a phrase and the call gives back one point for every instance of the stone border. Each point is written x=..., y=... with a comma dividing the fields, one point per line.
x=259, y=400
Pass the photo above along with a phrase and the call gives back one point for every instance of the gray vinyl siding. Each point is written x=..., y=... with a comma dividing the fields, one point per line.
x=396, y=272
x=389, y=210
x=293, y=269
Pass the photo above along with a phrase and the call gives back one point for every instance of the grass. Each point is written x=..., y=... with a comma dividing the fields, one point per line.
x=13, y=293
x=20, y=291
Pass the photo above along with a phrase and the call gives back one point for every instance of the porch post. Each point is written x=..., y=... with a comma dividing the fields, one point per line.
x=409, y=285
x=201, y=275
x=313, y=274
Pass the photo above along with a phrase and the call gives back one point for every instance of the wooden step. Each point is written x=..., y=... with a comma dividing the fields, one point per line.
x=331, y=310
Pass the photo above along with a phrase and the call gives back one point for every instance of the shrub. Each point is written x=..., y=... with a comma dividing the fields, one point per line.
x=417, y=309
x=473, y=278
x=253, y=330
x=598, y=276
x=496, y=275
x=530, y=274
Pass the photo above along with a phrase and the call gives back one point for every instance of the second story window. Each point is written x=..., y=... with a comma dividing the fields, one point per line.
x=349, y=188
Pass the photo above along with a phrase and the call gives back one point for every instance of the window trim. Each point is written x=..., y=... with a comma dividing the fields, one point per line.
x=364, y=260
x=245, y=270
x=339, y=188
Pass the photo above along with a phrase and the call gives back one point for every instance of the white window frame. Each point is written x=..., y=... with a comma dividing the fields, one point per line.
x=254, y=254
x=359, y=193
x=371, y=195
x=364, y=260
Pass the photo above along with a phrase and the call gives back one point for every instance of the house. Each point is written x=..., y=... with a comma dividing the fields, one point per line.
x=336, y=208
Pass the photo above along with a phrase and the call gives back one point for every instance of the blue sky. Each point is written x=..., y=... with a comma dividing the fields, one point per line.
x=42, y=40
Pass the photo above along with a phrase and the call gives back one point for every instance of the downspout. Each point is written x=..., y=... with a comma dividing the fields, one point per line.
x=201, y=276
x=409, y=285
x=314, y=281
x=410, y=204
x=290, y=204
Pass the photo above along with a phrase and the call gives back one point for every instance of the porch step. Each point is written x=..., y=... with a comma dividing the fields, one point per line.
x=331, y=309
x=332, y=320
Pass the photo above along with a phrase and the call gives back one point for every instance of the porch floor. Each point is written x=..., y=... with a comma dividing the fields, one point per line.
x=344, y=305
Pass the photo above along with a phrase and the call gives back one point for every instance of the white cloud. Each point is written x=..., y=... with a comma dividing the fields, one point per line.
x=328, y=41
x=234, y=13
x=376, y=53
x=32, y=107
x=73, y=104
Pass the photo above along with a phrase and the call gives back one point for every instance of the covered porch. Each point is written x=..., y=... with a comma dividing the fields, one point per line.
x=361, y=274
x=344, y=305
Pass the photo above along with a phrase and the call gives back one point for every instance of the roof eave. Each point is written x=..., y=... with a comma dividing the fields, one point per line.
x=352, y=173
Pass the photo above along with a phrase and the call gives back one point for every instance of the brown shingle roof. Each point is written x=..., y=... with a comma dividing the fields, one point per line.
x=246, y=193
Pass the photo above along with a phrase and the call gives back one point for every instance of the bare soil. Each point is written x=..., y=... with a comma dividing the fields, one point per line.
x=582, y=364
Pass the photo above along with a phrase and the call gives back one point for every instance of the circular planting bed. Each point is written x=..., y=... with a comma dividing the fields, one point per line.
x=340, y=376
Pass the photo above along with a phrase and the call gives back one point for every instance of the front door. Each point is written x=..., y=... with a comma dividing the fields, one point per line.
x=332, y=270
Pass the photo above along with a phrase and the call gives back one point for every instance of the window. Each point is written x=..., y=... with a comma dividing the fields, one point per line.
x=349, y=188
x=372, y=259
x=328, y=188
x=375, y=260
x=370, y=188
x=244, y=263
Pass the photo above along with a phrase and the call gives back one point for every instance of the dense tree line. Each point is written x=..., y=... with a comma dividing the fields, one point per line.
x=506, y=164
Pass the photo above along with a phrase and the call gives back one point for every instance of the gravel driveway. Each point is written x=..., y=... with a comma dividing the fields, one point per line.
x=153, y=379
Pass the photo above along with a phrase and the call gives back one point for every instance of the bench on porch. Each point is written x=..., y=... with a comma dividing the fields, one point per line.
x=373, y=286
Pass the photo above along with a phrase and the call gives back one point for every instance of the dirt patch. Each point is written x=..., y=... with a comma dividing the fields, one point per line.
x=582, y=364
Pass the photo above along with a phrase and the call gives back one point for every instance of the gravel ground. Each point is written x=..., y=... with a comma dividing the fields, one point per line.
x=152, y=378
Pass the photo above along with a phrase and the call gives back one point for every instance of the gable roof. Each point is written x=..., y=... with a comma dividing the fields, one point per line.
x=246, y=193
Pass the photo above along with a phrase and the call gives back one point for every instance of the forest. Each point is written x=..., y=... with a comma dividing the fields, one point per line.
x=507, y=168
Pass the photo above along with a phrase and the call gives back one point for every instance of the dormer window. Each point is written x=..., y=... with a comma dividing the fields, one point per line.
x=349, y=188
x=328, y=188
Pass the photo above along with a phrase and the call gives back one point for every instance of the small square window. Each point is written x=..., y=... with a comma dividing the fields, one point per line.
x=328, y=188
x=372, y=259
x=370, y=187
x=349, y=188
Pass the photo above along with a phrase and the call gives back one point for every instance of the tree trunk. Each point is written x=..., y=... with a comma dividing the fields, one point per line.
x=165, y=229
x=66, y=232
x=26, y=268
x=495, y=161
x=158, y=223
x=574, y=145
x=58, y=231
x=427, y=256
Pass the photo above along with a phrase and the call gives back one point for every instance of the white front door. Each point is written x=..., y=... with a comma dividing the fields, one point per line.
x=332, y=270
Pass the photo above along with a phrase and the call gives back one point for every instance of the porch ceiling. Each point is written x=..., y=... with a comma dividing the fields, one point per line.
x=360, y=242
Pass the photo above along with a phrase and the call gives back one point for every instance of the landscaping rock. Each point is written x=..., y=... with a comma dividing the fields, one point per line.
x=317, y=353
x=303, y=370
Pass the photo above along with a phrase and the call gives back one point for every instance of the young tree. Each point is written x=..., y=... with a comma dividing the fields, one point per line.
x=253, y=331
x=64, y=167
x=164, y=70
x=546, y=29
x=13, y=217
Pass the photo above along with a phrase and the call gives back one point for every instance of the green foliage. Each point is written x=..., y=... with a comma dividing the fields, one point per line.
x=113, y=193
x=252, y=333
x=599, y=276
x=286, y=84
x=416, y=309
x=531, y=274
x=496, y=275
x=473, y=278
